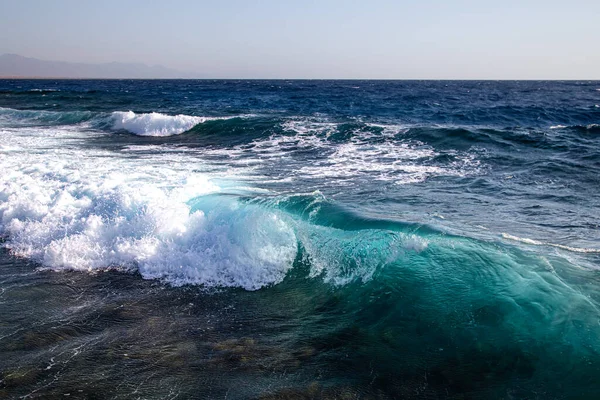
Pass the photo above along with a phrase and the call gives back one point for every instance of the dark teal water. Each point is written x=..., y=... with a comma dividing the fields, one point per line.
x=299, y=239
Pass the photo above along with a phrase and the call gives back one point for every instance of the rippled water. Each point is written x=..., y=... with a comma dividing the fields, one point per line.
x=299, y=239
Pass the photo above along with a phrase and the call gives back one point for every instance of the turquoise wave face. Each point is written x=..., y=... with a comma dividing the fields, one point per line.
x=411, y=308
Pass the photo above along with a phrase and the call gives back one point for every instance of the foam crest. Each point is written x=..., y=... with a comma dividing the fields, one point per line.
x=155, y=124
x=166, y=222
x=372, y=155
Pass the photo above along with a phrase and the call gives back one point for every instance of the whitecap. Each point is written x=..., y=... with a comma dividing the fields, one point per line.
x=155, y=124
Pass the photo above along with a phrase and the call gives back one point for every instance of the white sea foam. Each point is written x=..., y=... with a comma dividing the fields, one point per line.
x=389, y=129
x=541, y=243
x=589, y=127
x=398, y=162
x=69, y=208
x=155, y=124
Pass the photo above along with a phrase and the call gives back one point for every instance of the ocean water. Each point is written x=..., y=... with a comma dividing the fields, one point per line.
x=299, y=239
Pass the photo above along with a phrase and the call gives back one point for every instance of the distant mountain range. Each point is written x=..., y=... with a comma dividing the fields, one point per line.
x=13, y=65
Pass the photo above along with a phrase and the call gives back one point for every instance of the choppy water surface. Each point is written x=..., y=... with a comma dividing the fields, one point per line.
x=299, y=239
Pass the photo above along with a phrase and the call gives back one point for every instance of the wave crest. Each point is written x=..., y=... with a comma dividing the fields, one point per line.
x=155, y=124
x=170, y=222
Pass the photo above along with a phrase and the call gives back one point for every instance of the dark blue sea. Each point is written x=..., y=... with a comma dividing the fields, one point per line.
x=299, y=239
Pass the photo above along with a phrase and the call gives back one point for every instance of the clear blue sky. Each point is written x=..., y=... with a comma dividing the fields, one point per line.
x=462, y=39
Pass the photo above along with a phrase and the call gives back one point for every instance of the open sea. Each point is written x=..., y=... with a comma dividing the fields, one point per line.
x=299, y=239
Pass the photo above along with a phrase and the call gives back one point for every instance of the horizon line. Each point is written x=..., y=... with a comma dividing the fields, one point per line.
x=297, y=79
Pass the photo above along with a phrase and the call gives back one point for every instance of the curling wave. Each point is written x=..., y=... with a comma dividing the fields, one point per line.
x=173, y=223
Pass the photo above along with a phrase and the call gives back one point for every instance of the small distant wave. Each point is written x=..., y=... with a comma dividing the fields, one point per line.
x=31, y=92
x=559, y=246
x=9, y=116
x=155, y=124
x=584, y=128
x=44, y=90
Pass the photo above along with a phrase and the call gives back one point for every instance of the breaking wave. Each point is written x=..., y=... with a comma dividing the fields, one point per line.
x=169, y=222
x=143, y=124
x=155, y=124
x=175, y=231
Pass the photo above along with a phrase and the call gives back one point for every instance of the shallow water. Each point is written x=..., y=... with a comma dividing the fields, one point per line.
x=299, y=239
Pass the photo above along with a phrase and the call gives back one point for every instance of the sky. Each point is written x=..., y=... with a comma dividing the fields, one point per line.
x=376, y=39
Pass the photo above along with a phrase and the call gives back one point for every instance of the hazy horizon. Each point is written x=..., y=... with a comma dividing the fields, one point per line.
x=327, y=40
